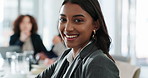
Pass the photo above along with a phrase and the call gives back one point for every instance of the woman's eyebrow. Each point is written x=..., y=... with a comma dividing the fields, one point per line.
x=79, y=15
x=62, y=15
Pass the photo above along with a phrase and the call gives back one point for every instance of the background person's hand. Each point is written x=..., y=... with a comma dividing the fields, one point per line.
x=41, y=56
x=24, y=36
x=56, y=40
x=48, y=61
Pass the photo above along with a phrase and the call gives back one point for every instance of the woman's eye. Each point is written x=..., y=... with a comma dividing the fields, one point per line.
x=62, y=20
x=78, y=20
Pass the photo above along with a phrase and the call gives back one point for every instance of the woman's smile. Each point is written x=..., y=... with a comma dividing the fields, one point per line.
x=71, y=37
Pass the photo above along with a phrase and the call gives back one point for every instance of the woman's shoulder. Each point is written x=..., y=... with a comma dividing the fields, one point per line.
x=100, y=63
x=15, y=35
x=35, y=35
x=100, y=58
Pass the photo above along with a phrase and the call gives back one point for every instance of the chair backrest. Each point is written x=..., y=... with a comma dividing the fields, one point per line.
x=126, y=70
x=3, y=50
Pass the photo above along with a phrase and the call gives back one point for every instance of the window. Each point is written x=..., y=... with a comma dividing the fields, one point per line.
x=108, y=9
x=125, y=29
x=141, y=32
x=8, y=13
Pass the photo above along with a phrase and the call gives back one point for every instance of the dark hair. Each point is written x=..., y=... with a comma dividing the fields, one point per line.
x=102, y=37
x=19, y=19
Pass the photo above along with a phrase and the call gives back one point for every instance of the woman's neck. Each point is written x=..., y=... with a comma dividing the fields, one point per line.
x=75, y=52
x=79, y=49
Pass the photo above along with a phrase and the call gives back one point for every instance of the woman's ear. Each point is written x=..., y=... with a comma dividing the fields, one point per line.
x=96, y=25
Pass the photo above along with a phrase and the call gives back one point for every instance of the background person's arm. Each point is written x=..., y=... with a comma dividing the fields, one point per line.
x=14, y=40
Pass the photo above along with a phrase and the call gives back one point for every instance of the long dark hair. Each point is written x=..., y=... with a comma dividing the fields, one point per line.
x=102, y=37
x=19, y=19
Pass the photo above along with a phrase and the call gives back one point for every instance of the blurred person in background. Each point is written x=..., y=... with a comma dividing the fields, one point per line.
x=25, y=35
x=58, y=46
x=57, y=49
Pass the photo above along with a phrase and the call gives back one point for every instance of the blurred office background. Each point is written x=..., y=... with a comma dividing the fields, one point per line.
x=127, y=22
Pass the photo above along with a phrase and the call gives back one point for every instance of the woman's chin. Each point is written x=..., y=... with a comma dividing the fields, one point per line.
x=70, y=46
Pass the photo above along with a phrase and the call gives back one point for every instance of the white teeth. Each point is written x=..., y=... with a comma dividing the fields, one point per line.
x=71, y=36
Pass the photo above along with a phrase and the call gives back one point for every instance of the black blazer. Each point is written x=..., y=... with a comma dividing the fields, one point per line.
x=36, y=41
x=90, y=63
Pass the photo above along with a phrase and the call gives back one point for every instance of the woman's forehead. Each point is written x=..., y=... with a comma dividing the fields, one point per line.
x=72, y=9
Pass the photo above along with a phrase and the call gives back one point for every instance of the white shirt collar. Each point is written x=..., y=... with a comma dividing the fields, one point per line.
x=70, y=54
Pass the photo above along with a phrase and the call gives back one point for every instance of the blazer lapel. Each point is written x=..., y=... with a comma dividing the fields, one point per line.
x=83, y=54
x=72, y=68
x=62, y=65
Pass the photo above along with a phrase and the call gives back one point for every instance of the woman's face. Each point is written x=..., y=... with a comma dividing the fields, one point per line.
x=75, y=26
x=25, y=25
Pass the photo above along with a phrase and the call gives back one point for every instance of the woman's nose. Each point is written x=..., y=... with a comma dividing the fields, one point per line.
x=69, y=27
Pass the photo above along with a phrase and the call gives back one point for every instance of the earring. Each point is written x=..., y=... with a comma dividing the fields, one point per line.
x=94, y=31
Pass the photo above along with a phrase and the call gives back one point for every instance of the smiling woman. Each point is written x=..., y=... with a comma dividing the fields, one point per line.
x=83, y=29
x=76, y=26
